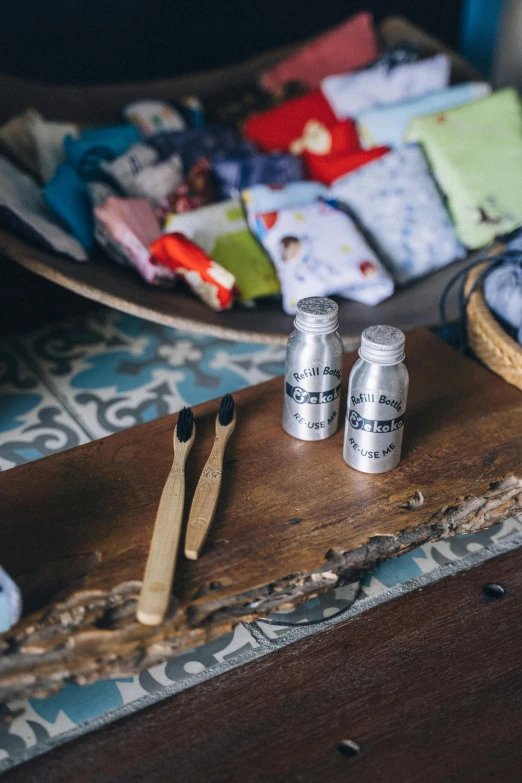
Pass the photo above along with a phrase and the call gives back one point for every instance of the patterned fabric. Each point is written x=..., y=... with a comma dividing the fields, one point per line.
x=10, y=602
x=328, y=168
x=345, y=48
x=151, y=117
x=318, y=251
x=389, y=124
x=23, y=210
x=212, y=283
x=138, y=173
x=285, y=127
x=196, y=191
x=503, y=293
x=234, y=175
x=215, y=141
x=476, y=154
x=397, y=203
x=269, y=198
x=351, y=94
x=221, y=230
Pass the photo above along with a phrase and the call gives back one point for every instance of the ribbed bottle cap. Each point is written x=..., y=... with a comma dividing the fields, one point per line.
x=317, y=315
x=382, y=345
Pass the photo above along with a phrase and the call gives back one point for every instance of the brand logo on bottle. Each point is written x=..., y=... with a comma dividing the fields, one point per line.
x=301, y=396
x=374, y=425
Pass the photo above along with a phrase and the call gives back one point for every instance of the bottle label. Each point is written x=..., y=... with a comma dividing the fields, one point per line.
x=374, y=423
x=312, y=397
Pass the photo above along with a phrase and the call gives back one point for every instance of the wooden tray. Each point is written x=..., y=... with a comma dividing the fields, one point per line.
x=105, y=282
x=293, y=520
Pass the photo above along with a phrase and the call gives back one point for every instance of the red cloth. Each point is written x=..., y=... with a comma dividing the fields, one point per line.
x=345, y=48
x=210, y=281
x=327, y=168
x=280, y=128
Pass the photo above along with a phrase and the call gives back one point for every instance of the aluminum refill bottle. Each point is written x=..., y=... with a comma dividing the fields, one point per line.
x=377, y=394
x=314, y=357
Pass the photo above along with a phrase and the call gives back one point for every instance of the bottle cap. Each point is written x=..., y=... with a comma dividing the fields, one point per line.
x=317, y=315
x=382, y=345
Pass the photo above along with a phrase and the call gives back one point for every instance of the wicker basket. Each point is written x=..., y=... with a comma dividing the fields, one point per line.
x=488, y=340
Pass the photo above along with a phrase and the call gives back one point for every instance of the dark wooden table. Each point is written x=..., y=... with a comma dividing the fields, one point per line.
x=428, y=687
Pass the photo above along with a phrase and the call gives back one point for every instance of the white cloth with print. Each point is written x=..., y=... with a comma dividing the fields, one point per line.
x=351, y=94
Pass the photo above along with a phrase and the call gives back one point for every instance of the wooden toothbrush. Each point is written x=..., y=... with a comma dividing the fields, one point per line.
x=207, y=491
x=161, y=562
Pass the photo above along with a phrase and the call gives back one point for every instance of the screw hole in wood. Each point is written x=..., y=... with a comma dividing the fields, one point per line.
x=348, y=748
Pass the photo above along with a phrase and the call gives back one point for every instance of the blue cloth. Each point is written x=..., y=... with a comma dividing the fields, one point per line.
x=97, y=144
x=68, y=196
x=235, y=174
x=10, y=602
x=387, y=125
x=215, y=142
x=503, y=293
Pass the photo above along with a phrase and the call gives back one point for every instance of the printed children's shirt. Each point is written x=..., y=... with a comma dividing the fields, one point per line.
x=351, y=94
x=222, y=232
x=151, y=117
x=475, y=152
x=397, y=203
x=274, y=198
x=318, y=251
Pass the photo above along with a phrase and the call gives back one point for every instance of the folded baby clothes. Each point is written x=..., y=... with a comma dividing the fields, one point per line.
x=327, y=168
x=48, y=138
x=234, y=175
x=125, y=228
x=151, y=117
x=97, y=144
x=286, y=126
x=475, y=152
x=196, y=191
x=22, y=209
x=345, y=48
x=351, y=94
x=17, y=141
x=397, y=203
x=196, y=143
x=209, y=281
x=274, y=198
x=138, y=173
x=68, y=197
x=318, y=251
x=221, y=231
x=10, y=602
x=389, y=124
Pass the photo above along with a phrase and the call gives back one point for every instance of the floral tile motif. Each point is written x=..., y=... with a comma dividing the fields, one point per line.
x=114, y=371
x=33, y=423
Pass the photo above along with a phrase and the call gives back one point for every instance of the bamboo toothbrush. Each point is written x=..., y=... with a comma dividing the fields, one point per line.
x=207, y=491
x=161, y=562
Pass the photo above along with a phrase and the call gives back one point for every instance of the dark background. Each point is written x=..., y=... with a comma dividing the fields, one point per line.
x=118, y=40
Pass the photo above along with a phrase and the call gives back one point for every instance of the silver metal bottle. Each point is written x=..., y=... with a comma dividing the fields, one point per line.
x=377, y=396
x=314, y=357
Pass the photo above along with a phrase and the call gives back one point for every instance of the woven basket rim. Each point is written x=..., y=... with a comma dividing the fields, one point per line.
x=482, y=312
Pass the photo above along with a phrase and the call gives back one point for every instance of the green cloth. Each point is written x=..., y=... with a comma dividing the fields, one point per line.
x=221, y=231
x=475, y=152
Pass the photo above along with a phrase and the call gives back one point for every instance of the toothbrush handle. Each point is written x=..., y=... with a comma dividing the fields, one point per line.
x=205, y=501
x=159, y=571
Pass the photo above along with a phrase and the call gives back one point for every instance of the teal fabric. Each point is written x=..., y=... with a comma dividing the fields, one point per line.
x=67, y=195
x=97, y=144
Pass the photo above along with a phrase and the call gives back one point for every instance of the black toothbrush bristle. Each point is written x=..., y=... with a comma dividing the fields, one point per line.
x=184, y=425
x=226, y=410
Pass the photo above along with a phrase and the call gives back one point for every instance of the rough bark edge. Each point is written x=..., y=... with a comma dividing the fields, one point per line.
x=94, y=634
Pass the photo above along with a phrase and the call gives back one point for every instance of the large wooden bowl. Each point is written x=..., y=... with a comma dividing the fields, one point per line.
x=104, y=282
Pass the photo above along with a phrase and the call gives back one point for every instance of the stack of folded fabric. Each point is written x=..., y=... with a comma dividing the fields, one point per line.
x=345, y=171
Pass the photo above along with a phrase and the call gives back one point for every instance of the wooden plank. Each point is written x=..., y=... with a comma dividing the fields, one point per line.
x=428, y=686
x=292, y=522
x=103, y=281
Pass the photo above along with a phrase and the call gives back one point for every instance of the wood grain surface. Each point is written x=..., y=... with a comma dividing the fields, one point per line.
x=428, y=687
x=103, y=281
x=293, y=520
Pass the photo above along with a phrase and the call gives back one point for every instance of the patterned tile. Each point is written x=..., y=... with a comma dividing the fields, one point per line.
x=114, y=371
x=33, y=423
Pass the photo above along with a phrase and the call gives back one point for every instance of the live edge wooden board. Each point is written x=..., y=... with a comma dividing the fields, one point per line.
x=293, y=520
